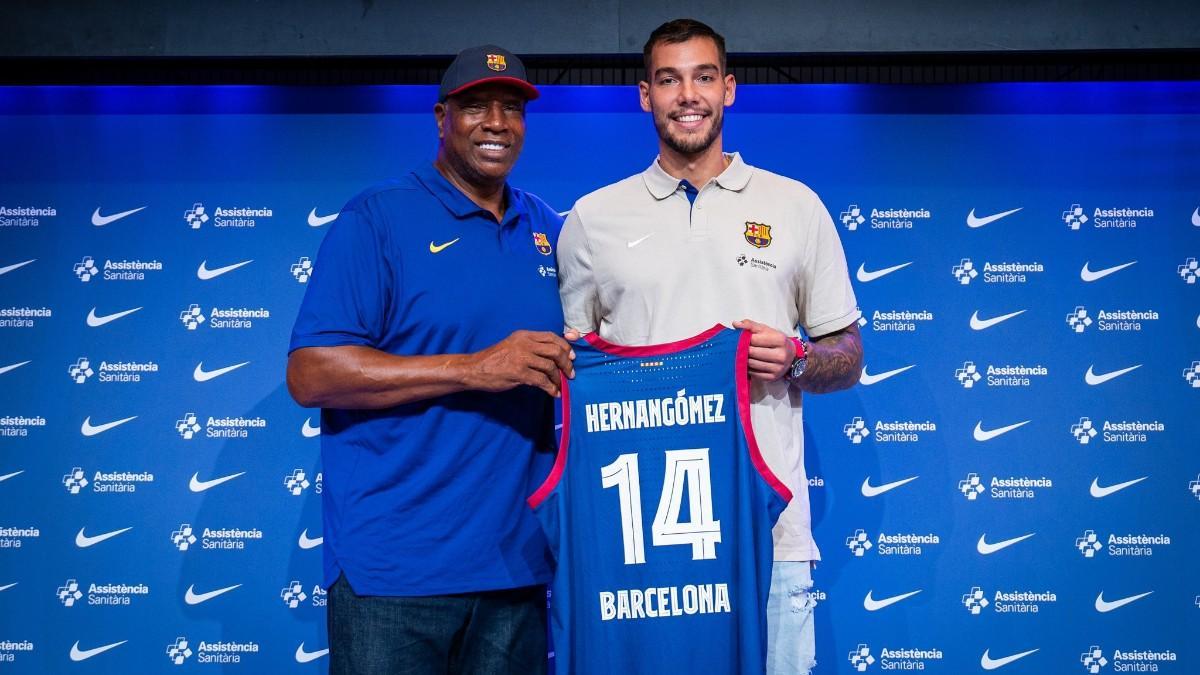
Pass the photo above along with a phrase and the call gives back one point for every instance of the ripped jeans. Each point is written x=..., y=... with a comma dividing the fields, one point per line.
x=791, y=640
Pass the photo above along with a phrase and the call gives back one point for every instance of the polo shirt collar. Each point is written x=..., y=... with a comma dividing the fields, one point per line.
x=458, y=203
x=662, y=184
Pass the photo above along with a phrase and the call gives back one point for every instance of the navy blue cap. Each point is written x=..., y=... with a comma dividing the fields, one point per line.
x=480, y=65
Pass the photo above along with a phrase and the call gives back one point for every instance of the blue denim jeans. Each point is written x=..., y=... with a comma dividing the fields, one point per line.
x=791, y=640
x=489, y=632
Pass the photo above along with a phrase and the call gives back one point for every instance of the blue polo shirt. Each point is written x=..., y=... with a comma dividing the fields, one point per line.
x=429, y=498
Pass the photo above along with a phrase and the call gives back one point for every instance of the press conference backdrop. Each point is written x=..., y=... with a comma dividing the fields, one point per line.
x=1015, y=482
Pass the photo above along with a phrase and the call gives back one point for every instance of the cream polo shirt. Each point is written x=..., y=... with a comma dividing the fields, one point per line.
x=641, y=265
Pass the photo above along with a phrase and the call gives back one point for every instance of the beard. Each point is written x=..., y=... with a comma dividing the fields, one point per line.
x=690, y=144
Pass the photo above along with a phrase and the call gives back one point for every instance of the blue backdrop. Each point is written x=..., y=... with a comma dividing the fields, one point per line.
x=1015, y=483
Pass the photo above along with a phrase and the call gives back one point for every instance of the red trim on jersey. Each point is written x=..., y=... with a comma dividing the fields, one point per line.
x=743, y=399
x=560, y=461
x=603, y=345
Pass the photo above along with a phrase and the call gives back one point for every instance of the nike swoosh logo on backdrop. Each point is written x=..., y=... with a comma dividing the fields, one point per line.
x=5, y=587
x=15, y=266
x=304, y=657
x=873, y=605
x=438, y=248
x=84, y=541
x=97, y=321
x=983, y=435
x=635, y=242
x=191, y=597
x=980, y=324
x=197, y=485
x=1196, y=217
x=985, y=548
x=865, y=276
x=1102, y=606
x=1088, y=275
x=988, y=663
x=307, y=543
x=78, y=654
x=317, y=221
x=868, y=379
x=89, y=429
x=10, y=475
x=1100, y=492
x=973, y=221
x=202, y=375
x=14, y=366
x=1093, y=379
x=205, y=274
x=100, y=221
x=869, y=490
x=308, y=430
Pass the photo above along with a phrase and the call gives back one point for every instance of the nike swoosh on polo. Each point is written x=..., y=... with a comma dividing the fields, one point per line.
x=868, y=379
x=205, y=274
x=873, y=605
x=307, y=543
x=308, y=430
x=980, y=324
x=304, y=657
x=317, y=221
x=1088, y=275
x=1100, y=492
x=10, y=475
x=191, y=597
x=438, y=248
x=97, y=321
x=869, y=490
x=635, y=242
x=974, y=221
x=985, y=548
x=78, y=654
x=15, y=266
x=100, y=221
x=197, y=485
x=89, y=429
x=1104, y=606
x=84, y=541
x=14, y=366
x=865, y=276
x=5, y=587
x=1093, y=379
x=983, y=435
x=988, y=663
x=202, y=375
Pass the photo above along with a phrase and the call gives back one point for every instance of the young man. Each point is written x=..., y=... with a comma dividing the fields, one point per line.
x=699, y=238
x=416, y=339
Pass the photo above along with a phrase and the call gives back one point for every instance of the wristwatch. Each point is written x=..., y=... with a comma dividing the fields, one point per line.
x=800, y=362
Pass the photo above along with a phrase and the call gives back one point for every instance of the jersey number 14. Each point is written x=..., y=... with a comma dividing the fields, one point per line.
x=685, y=470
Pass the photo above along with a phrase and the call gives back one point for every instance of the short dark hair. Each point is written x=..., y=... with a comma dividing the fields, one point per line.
x=682, y=30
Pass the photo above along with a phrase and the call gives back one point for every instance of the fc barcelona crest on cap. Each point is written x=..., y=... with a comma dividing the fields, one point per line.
x=496, y=62
x=542, y=243
x=758, y=235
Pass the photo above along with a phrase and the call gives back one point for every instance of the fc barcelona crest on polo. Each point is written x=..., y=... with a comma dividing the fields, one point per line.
x=496, y=62
x=542, y=243
x=758, y=235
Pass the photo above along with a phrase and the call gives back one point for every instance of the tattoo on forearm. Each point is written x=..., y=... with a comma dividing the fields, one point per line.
x=835, y=363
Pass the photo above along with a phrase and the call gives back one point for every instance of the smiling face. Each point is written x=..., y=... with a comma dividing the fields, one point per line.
x=687, y=94
x=482, y=131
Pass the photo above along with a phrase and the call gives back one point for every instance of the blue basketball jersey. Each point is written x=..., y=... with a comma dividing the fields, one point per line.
x=659, y=512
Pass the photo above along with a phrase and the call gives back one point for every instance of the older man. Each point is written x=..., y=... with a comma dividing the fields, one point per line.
x=429, y=338
x=700, y=237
